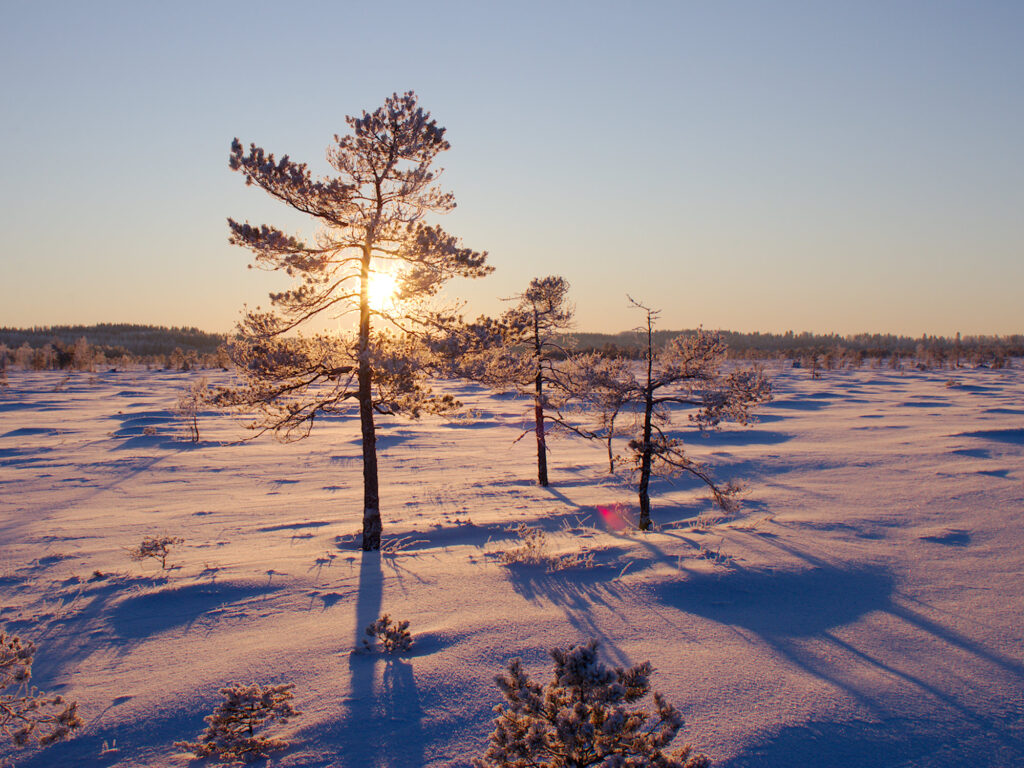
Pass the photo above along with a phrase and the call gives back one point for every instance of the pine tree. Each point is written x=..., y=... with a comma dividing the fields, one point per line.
x=534, y=327
x=580, y=718
x=372, y=231
x=26, y=714
x=687, y=372
x=231, y=730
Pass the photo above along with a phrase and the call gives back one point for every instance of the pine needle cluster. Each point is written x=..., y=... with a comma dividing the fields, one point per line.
x=580, y=718
x=26, y=714
x=231, y=730
x=393, y=636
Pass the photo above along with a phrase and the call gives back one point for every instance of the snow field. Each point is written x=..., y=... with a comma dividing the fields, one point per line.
x=865, y=605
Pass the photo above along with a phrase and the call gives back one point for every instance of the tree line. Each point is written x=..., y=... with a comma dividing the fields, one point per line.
x=161, y=346
x=86, y=347
x=933, y=351
x=155, y=346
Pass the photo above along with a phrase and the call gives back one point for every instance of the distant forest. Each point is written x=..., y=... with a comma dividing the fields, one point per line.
x=85, y=347
x=117, y=338
x=123, y=344
x=797, y=346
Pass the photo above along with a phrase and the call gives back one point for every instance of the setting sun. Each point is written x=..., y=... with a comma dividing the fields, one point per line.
x=383, y=287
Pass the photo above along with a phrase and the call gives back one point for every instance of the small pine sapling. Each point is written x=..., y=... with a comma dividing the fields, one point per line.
x=156, y=547
x=26, y=714
x=231, y=730
x=580, y=719
x=393, y=636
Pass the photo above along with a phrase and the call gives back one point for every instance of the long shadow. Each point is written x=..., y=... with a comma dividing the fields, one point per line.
x=383, y=724
x=102, y=607
x=577, y=592
x=1012, y=436
x=781, y=604
x=735, y=437
x=941, y=725
x=1008, y=665
x=561, y=496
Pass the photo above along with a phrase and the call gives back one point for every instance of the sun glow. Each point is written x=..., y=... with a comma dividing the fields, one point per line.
x=383, y=287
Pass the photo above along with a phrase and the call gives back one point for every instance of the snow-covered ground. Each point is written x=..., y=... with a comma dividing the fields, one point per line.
x=865, y=608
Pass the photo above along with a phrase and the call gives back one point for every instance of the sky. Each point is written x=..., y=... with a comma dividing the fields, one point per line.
x=836, y=167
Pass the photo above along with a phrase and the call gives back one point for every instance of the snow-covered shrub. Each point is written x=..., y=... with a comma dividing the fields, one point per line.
x=231, y=730
x=533, y=551
x=156, y=547
x=393, y=636
x=26, y=714
x=580, y=718
x=189, y=404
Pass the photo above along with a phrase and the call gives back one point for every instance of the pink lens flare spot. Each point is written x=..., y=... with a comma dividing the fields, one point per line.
x=616, y=517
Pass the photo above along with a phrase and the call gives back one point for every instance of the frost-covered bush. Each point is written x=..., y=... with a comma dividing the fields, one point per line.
x=580, y=719
x=231, y=730
x=156, y=547
x=189, y=404
x=26, y=714
x=393, y=636
x=533, y=551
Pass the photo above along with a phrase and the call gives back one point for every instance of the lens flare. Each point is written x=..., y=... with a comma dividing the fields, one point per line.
x=616, y=517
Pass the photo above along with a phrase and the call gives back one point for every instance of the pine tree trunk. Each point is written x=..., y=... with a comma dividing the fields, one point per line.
x=538, y=410
x=371, y=498
x=542, y=455
x=647, y=449
x=645, y=464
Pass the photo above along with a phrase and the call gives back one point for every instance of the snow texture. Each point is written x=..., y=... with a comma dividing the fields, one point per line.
x=864, y=607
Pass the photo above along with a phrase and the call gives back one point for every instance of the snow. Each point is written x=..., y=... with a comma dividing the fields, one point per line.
x=865, y=607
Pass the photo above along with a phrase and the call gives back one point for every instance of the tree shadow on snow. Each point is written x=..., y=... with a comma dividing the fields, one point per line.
x=382, y=726
x=577, y=592
x=1012, y=436
x=798, y=613
x=890, y=744
x=781, y=603
x=150, y=613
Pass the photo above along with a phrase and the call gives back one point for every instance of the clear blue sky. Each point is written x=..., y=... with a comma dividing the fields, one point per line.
x=827, y=166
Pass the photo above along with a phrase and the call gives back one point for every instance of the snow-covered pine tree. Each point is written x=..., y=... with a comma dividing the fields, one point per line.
x=520, y=351
x=580, y=718
x=27, y=714
x=687, y=372
x=372, y=236
x=231, y=730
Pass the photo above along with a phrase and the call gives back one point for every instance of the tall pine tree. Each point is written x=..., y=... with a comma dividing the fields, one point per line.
x=373, y=256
